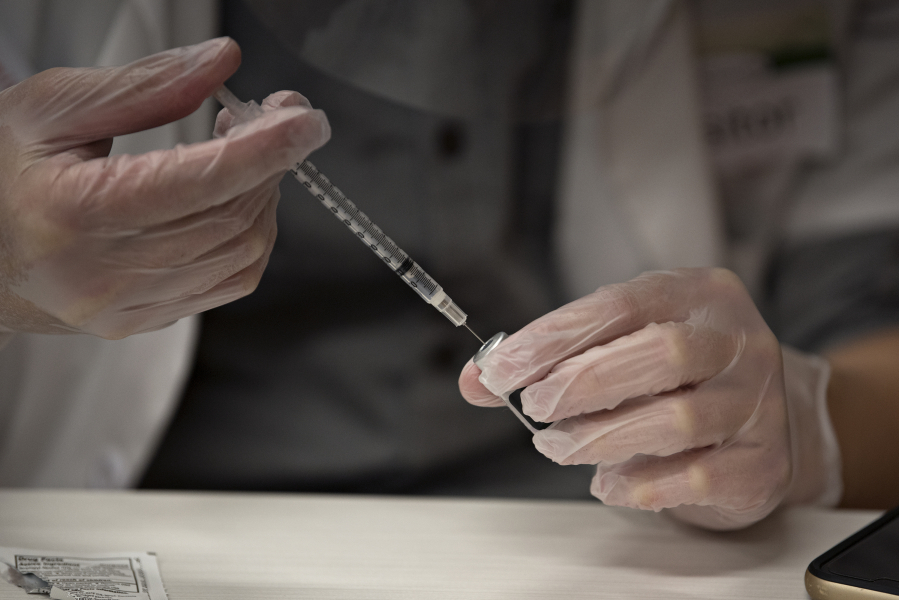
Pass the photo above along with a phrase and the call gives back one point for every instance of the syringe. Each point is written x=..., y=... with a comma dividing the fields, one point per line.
x=361, y=226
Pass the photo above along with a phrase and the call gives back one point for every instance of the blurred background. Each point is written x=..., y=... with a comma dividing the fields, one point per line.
x=524, y=152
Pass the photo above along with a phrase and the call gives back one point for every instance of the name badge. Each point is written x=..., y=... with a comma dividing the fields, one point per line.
x=769, y=82
x=754, y=116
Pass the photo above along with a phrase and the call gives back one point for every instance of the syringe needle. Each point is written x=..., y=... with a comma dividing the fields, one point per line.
x=473, y=333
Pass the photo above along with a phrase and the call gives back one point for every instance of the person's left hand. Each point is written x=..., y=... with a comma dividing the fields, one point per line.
x=673, y=385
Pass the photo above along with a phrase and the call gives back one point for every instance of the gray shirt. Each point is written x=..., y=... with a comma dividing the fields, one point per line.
x=334, y=375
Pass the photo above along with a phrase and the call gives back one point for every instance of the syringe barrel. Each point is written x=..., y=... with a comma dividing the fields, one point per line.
x=412, y=273
x=377, y=241
x=356, y=221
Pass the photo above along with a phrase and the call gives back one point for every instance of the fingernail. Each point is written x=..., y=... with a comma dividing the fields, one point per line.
x=326, y=127
x=212, y=46
x=538, y=406
x=484, y=378
x=309, y=134
x=554, y=445
x=615, y=489
x=602, y=485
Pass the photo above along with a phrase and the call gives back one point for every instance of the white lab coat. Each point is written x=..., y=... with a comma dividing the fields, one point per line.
x=638, y=190
x=634, y=102
x=76, y=411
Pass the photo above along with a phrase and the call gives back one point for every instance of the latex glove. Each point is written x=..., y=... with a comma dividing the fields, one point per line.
x=673, y=385
x=117, y=245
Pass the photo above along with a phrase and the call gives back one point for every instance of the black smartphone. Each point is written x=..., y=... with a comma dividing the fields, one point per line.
x=864, y=565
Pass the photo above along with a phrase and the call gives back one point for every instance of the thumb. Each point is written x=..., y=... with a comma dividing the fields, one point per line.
x=71, y=107
x=473, y=390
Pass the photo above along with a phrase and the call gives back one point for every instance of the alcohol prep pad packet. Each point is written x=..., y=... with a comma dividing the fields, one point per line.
x=65, y=575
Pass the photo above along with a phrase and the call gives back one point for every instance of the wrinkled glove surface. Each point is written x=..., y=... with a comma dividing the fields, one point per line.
x=113, y=246
x=673, y=385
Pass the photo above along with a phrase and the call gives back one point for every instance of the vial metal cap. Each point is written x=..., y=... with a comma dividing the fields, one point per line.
x=488, y=347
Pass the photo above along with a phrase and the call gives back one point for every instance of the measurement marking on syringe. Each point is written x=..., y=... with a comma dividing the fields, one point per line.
x=334, y=200
x=359, y=223
x=355, y=220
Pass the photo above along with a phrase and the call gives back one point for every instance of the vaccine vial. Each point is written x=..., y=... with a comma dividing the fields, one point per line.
x=513, y=398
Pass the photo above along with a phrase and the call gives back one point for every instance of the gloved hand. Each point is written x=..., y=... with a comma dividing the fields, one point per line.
x=118, y=245
x=673, y=385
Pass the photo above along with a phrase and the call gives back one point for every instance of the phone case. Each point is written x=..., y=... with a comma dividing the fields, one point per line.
x=822, y=584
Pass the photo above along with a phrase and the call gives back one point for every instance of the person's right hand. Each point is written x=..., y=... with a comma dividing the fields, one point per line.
x=119, y=245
